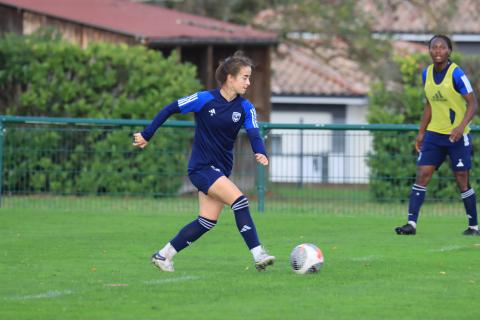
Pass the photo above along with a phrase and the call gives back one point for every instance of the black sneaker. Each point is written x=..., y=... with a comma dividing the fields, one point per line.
x=471, y=232
x=406, y=229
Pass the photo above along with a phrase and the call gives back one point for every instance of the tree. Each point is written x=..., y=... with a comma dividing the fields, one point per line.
x=332, y=28
x=358, y=30
x=235, y=11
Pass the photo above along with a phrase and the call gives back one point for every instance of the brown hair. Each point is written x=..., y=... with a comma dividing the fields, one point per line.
x=232, y=66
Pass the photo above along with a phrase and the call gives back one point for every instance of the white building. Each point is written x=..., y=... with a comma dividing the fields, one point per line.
x=308, y=91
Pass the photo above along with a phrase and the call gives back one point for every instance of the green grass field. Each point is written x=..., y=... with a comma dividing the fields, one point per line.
x=95, y=264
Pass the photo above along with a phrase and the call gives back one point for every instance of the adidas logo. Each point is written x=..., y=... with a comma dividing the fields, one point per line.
x=460, y=163
x=438, y=97
x=157, y=256
x=245, y=228
x=212, y=112
x=215, y=168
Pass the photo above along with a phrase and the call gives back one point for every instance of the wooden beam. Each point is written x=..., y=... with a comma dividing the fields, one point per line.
x=210, y=69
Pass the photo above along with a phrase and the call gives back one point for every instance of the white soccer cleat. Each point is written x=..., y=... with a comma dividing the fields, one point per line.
x=263, y=260
x=162, y=263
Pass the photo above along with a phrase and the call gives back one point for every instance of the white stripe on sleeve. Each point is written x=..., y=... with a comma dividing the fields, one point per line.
x=184, y=101
x=254, y=118
x=467, y=84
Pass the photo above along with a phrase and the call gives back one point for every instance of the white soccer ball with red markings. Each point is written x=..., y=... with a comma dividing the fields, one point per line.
x=306, y=258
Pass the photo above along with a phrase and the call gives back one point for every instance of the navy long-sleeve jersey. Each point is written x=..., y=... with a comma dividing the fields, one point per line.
x=218, y=122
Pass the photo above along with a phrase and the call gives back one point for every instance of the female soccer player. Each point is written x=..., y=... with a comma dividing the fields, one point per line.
x=444, y=130
x=219, y=116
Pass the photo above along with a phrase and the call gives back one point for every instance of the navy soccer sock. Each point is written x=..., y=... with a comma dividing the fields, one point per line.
x=417, y=196
x=245, y=223
x=470, y=203
x=191, y=232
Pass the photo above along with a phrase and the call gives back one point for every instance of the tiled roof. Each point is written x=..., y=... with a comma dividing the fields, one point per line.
x=152, y=23
x=405, y=16
x=297, y=71
x=409, y=18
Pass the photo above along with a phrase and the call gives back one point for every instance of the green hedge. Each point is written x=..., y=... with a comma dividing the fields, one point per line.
x=393, y=159
x=41, y=75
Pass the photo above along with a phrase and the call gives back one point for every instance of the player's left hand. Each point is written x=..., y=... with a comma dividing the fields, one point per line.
x=139, y=141
x=261, y=158
x=456, y=134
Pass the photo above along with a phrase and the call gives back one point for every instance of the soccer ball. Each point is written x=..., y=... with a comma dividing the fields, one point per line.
x=306, y=258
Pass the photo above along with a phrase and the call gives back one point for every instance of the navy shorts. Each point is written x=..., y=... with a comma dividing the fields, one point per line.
x=436, y=147
x=203, y=178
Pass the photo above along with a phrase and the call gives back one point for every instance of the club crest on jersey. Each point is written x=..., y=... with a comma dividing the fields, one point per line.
x=236, y=116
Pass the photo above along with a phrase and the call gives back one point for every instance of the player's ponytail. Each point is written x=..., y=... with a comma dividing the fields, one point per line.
x=232, y=66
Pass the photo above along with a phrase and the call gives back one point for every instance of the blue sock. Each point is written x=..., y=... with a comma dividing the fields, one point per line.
x=470, y=203
x=417, y=196
x=245, y=223
x=191, y=232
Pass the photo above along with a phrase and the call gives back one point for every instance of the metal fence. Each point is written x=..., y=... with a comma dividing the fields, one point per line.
x=90, y=163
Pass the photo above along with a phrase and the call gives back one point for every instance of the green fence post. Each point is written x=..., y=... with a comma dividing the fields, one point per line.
x=260, y=178
x=1, y=160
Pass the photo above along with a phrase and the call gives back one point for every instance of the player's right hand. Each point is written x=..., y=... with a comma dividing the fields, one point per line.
x=419, y=141
x=261, y=158
x=139, y=141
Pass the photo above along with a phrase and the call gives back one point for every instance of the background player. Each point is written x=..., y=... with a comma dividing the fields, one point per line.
x=219, y=116
x=444, y=130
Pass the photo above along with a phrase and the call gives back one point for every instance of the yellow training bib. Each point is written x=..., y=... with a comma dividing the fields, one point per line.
x=448, y=106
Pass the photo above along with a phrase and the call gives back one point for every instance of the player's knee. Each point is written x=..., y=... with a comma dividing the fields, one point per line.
x=462, y=180
x=423, y=177
x=461, y=175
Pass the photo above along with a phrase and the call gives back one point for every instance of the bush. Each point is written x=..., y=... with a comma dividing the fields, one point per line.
x=40, y=75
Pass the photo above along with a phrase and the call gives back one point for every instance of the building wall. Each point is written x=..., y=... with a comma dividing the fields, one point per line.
x=10, y=20
x=72, y=32
x=24, y=22
x=468, y=47
x=260, y=92
x=299, y=155
x=357, y=146
x=319, y=156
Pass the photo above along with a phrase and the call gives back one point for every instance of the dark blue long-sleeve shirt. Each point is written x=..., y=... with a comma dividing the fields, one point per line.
x=218, y=122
